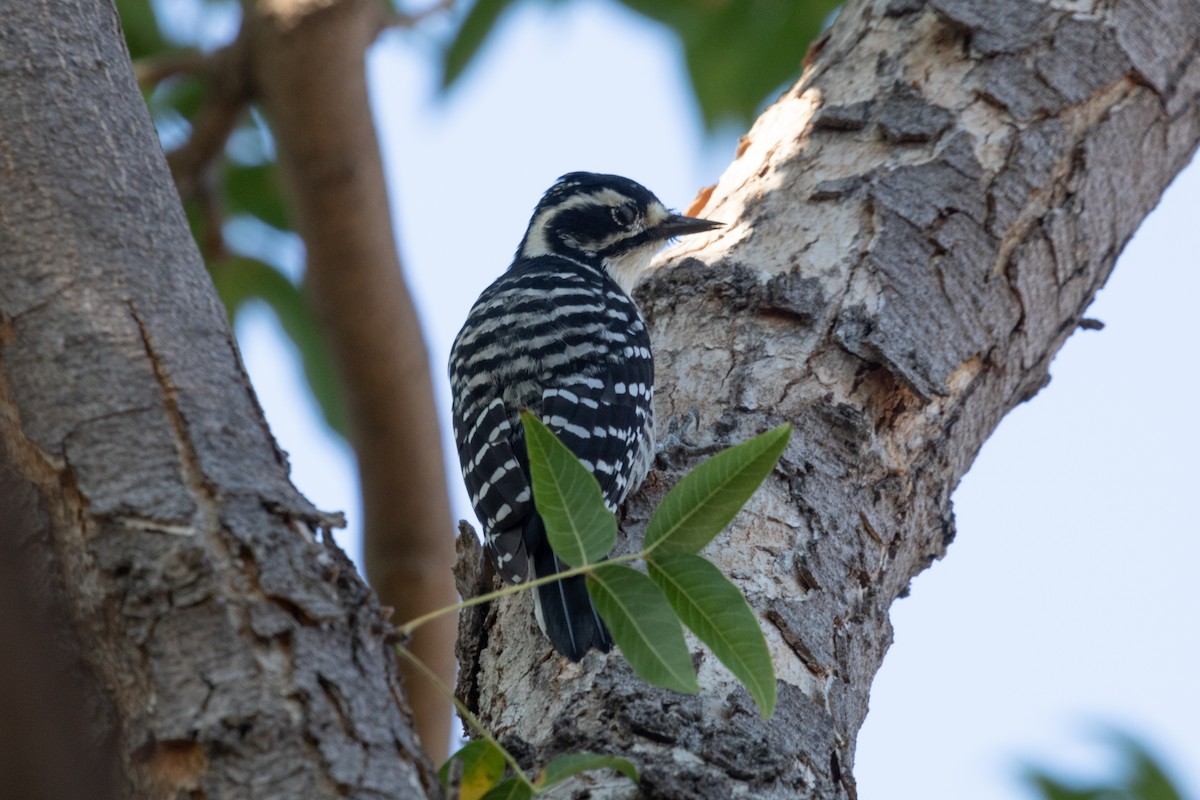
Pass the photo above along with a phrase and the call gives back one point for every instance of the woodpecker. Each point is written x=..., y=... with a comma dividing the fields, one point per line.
x=558, y=334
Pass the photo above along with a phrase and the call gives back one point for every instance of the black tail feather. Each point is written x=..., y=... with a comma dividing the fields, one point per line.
x=567, y=615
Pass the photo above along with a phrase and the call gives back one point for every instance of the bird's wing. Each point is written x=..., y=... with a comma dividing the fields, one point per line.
x=599, y=420
x=495, y=472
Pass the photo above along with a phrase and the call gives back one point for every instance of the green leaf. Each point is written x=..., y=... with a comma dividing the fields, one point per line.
x=483, y=767
x=1046, y=787
x=255, y=190
x=717, y=612
x=511, y=789
x=580, y=528
x=1140, y=777
x=643, y=626
x=479, y=22
x=739, y=52
x=142, y=34
x=239, y=280
x=1147, y=776
x=1148, y=779
x=564, y=766
x=707, y=498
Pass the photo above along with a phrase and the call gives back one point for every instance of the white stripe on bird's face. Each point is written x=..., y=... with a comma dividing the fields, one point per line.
x=537, y=242
x=625, y=267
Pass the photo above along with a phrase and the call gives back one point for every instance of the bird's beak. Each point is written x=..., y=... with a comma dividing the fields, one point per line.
x=679, y=225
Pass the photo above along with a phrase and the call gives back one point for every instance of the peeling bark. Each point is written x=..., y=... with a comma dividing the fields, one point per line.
x=913, y=232
x=236, y=654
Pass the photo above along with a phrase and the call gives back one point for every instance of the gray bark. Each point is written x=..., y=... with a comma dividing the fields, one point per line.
x=914, y=231
x=235, y=653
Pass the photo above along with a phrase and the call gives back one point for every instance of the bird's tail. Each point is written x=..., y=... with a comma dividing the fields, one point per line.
x=564, y=609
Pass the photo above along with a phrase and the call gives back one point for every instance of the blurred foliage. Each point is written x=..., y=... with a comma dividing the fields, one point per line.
x=142, y=34
x=737, y=52
x=1141, y=777
x=243, y=186
x=240, y=280
x=254, y=190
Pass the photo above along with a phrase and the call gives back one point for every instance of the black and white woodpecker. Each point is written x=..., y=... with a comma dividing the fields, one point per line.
x=558, y=334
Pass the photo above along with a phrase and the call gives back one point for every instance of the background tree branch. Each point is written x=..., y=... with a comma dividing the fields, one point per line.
x=915, y=229
x=310, y=74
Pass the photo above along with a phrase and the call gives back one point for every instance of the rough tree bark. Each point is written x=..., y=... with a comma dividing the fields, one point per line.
x=914, y=231
x=303, y=61
x=237, y=655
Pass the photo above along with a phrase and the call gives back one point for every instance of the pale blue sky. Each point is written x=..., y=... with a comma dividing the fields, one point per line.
x=1068, y=600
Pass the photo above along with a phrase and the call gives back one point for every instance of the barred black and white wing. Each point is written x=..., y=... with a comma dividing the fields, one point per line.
x=560, y=338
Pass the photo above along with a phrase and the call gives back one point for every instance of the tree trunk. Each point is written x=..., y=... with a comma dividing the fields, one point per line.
x=913, y=232
x=236, y=654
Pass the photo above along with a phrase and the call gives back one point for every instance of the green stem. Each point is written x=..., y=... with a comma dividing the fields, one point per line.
x=466, y=714
x=410, y=626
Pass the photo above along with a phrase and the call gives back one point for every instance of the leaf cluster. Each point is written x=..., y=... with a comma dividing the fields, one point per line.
x=737, y=52
x=645, y=612
x=1143, y=777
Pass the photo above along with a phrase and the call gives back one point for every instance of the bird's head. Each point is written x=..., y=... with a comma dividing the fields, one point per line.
x=607, y=218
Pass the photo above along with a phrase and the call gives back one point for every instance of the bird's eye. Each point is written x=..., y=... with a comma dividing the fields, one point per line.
x=624, y=216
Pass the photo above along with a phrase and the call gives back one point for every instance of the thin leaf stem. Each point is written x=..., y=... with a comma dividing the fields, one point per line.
x=410, y=626
x=466, y=714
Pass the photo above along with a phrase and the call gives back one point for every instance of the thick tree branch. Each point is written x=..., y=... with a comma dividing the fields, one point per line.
x=309, y=70
x=239, y=655
x=913, y=232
